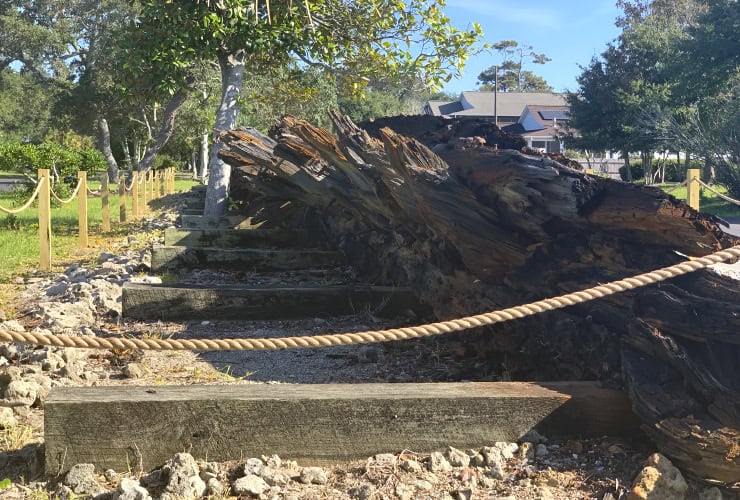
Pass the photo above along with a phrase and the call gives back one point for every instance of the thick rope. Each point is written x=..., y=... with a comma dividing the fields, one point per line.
x=724, y=197
x=28, y=203
x=676, y=187
x=130, y=186
x=72, y=196
x=371, y=336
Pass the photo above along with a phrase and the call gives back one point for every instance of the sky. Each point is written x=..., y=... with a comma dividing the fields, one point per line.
x=570, y=32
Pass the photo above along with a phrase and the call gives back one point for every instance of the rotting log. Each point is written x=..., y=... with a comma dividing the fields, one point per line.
x=472, y=229
x=235, y=302
x=142, y=427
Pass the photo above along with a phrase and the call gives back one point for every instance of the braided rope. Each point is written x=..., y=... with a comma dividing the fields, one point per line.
x=371, y=336
x=130, y=186
x=676, y=187
x=28, y=203
x=72, y=196
x=93, y=193
x=724, y=197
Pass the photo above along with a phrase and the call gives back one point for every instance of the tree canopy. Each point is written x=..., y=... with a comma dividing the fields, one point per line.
x=510, y=74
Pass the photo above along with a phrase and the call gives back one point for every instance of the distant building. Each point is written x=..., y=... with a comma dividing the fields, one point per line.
x=536, y=116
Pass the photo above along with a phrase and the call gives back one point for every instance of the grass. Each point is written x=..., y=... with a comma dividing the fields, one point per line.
x=709, y=202
x=19, y=249
x=15, y=437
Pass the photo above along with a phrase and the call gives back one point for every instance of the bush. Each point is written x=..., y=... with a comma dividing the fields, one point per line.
x=637, y=171
x=728, y=175
x=16, y=157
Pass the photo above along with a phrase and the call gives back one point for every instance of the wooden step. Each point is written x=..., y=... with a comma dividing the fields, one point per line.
x=194, y=204
x=191, y=211
x=182, y=257
x=238, y=238
x=237, y=302
x=195, y=221
x=140, y=428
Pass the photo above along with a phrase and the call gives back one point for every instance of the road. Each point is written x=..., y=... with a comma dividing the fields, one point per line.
x=7, y=183
x=734, y=228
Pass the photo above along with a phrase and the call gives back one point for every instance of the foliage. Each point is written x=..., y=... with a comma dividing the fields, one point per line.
x=636, y=172
x=25, y=107
x=63, y=161
x=510, y=73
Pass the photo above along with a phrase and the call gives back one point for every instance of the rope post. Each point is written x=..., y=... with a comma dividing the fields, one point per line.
x=145, y=201
x=82, y=207
x=44, y=220
x=121, y=198
x=135, y=194
x=693, y=187
x=172, y=180
x=104, y=200
x=157, y=194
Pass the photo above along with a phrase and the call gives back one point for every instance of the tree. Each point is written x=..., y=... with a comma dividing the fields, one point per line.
x=18, y=121
x=510, y=73
x=355, y=39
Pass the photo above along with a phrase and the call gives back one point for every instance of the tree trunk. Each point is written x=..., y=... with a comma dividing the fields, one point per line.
x=203, y=161
x=104, y=145
x=473, y=229
x=232, y=79
x=628, y=170
x=165, y=131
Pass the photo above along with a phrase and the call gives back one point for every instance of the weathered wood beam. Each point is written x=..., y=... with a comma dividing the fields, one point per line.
x=235, y=302
x=142, y=427
x=205, y=222
x=178, y=257
x=239, y=238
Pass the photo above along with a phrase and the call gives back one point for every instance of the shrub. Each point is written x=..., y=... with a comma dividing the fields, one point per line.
x=637, y=171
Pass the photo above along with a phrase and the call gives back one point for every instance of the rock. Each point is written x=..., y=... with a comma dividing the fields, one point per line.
x=52, y=362
x=540, y=451
x=711, y=494
x=423, y=485
x=65, y=317
x=404, y=491
x=438, y=463
x=574, y=446
x=109, y=475
x=105, y=257
x=135, y=370
x=507, y=450
x=57, y=289
x=274, y=476
x=411, y=466
x=363, y=492
x=13, y=326
x=494, y=460
x=7, y=418
x=130, y=489
x=208, y=470
x=81, y=479
x=385, y=459
x=215, y=488
x=21, y=393
x=476, y=459
x=249, y=485
x=253, y=466
x=273, y=461
x=457, y=458
x=313, y=475
x=660, y=479
x=71, y=354
x=534, y=437
x=183, y=478
x=526, y=451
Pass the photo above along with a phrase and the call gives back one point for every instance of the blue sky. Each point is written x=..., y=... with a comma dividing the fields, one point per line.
x=570, y=32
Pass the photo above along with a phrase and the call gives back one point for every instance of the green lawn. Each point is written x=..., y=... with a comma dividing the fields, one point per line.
x=19, y=250
x=709, y=202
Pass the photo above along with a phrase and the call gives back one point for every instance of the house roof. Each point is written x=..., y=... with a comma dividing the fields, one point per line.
x=474, y=103
x=540, y=121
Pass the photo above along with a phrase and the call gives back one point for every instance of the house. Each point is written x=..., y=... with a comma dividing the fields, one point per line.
x=541, y=127
x=536, y=116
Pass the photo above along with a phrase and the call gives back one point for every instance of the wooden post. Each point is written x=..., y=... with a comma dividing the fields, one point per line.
x=144, y=207
x=82, y=207
x=44, y=220
x=135, y=194
x=172, y=180
x=157, y=193
x=104, y=200
x=122, y=198
x=693, y=187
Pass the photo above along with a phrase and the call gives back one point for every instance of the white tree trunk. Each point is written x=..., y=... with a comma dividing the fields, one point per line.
x=165, y=131
x=232, y=78
x=104, y=145
x=203, y=161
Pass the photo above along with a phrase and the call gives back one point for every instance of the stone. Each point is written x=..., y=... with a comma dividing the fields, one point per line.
x=494, y=460
x=274, y=476
x=411, y=466
x=65, y=317
x=21, y=393
x=526, y=451
x=249, y=485
x=13, y=326
x=385, y=459
x=534, y=437
x=7, y=418
x=105, y=257
x=183, y=478
x=208, y=470
x=313, y=475
x=215, y=488
x=540, y=451
x=574, y=446
x=57, y=289
x=404, y=491
x=81, y=479
x=363, y=492
x=457, y=458
x=659, y=479
x=135, y=370
x=52, y=362
x=423, y=485
x=476, y=459
x=130, y=489
x=253, y=466
x=110, y=475
x=507, y=450
x=438, y=463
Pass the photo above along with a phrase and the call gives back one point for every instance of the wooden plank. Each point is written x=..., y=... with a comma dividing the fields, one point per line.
x=238, y=238
x=182, y=302
x=174, y=257
x=142, y=427
x=195, y=205
x=591, y=411
x=201, y=221
x=191, y=211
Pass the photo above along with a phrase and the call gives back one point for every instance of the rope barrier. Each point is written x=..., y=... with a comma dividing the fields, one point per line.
x=130, y=186
x=27, y=204
x=724, y=197
x=677, y=186
x=371, y=336
x=72, y=197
